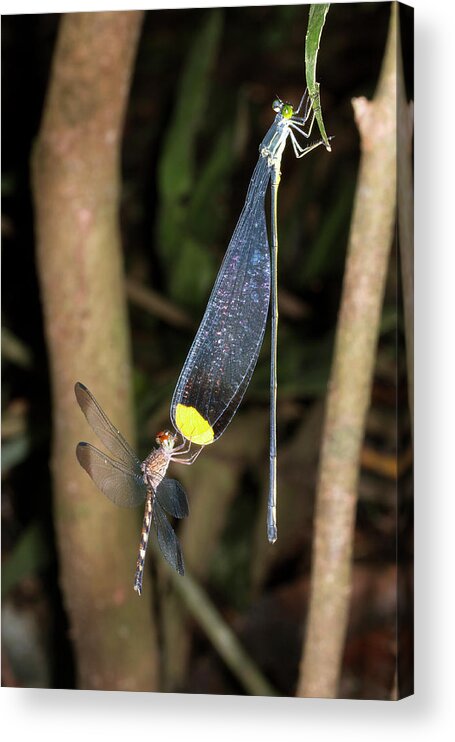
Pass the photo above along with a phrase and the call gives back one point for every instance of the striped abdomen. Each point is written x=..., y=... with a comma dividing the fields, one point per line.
x=146, y=523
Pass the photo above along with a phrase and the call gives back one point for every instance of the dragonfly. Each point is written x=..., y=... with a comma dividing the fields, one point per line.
x=223, y=355
x=129, y=482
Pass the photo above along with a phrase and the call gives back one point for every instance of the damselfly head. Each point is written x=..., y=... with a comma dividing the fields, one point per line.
x=286, y=109
x=166, y=440
x=277, y=105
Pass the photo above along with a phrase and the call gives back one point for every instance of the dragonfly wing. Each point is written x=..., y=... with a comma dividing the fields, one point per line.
x=104, y=429
x=223, y=355
x=167, y=540
x=118, y=482
x=172, y=497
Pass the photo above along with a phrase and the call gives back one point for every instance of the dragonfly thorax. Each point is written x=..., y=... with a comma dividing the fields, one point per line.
x=155, y=466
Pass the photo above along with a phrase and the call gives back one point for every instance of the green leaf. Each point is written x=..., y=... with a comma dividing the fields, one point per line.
x=316, y=22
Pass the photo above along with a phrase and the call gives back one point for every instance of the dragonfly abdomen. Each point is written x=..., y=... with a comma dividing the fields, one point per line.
x=143, y=542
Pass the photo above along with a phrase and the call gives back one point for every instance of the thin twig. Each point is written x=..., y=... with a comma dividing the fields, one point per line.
x=220, y=634
x=152, y=302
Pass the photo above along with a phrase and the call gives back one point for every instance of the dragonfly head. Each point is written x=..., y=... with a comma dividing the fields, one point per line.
x=285, y=109
x=166, y=440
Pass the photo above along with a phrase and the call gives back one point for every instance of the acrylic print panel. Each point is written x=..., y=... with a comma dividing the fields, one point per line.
x=140, y=134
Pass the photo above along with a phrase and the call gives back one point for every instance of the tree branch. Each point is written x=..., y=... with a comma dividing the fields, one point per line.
x=350, y=383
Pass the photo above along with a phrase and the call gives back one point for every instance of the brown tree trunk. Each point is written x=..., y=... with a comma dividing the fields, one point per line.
x=350, y=384
x=76, y=184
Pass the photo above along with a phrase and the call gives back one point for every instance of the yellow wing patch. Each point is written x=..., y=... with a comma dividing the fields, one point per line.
x=193, y=426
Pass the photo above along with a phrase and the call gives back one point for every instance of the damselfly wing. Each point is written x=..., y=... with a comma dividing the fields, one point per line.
x=128, y=482
x=225, y=350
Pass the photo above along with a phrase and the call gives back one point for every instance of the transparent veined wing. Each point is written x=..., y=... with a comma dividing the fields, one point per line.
x=172, y=498
x=225, y=350
x=167, y=540
x=104, y=429
x=118, y=482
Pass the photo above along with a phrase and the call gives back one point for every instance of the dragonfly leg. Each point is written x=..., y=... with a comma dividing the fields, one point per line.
x=191, y=459
x=184, y=447
x=182, y=451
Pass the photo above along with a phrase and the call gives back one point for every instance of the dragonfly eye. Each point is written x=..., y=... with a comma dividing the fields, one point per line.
x=287, y=110
x=277, y=105
x=165, y=439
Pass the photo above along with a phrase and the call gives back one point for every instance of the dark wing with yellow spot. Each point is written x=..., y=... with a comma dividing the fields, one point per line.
x=225, y=350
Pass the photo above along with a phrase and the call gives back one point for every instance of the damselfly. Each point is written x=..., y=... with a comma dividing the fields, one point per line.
x=224, y=352
x=128, y=482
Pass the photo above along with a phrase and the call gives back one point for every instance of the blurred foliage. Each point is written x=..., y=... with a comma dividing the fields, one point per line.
x=15, y=451
x=185, y=226
x=29, y=556
x=199, y=107
x=14, y=350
